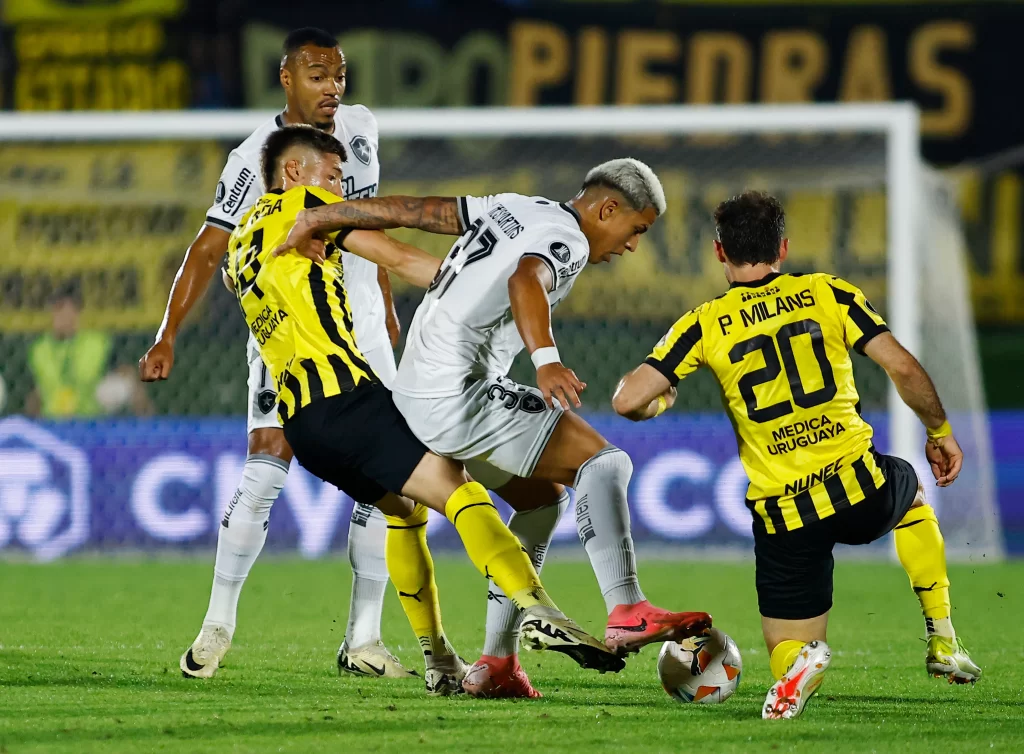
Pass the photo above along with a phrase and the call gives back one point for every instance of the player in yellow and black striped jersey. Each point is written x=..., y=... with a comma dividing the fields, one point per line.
x=301, y=321
x=780, y=349
x=341, y=422
x=778, y=345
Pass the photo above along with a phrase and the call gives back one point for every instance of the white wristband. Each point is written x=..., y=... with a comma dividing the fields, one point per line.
x=543, y=356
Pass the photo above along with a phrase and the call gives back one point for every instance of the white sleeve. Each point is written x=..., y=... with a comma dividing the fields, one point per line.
x=238, y=189
x=564, y=254
x=470, y=208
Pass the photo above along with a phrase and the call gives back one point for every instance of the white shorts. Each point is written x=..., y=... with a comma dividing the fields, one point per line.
x=262, y=412
x=498, y=427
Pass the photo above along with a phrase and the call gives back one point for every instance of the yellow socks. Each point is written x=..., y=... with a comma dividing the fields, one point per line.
x=412, y=572
x=784, y=655
x=922, y=552
x=494, y=550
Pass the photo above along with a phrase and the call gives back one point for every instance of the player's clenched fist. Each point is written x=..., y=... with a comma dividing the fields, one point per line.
x=157, y=363
x=560, y=384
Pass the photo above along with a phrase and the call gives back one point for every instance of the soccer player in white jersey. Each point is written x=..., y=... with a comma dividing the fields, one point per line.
x=516, y=259
x=313, y=76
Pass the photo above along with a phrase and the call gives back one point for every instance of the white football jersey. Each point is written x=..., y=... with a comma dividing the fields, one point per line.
x=463, y=329
x=240, y=186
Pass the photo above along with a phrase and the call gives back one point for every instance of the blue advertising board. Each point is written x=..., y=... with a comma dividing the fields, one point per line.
x=141, y=485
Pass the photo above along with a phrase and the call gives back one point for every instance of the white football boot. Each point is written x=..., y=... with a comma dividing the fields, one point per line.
x=545, y=629
x=372, y=660
x=202, y=659
x=949, y=658
x=444, y=674
x=790, y=694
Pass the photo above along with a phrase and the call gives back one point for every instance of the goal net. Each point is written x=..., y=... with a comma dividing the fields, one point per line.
x=105, y=205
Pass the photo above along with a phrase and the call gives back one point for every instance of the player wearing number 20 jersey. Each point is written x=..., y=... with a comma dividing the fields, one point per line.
x=779, y=346
x=780, y=350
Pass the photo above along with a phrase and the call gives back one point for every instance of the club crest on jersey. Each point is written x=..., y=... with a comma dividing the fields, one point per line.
x=559, y=251
x=361, y=149
x=221, y=193
x=266, y=401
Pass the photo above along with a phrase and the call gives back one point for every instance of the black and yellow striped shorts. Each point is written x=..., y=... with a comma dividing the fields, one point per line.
x=794, y=568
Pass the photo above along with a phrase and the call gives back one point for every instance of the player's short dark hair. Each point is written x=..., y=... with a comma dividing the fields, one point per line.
x=750, y=227
x=283, y=139
x=308, y=35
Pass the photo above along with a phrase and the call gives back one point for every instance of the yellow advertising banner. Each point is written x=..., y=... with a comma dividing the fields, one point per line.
x=20, y=11
x=113, y=220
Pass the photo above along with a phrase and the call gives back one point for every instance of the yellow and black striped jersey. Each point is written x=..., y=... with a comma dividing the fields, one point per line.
x=297, y=310
x=780, y=350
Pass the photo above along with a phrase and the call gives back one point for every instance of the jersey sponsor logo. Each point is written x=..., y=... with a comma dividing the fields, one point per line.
x=266, y=401
x=751, y=295
x=803, y=434
x=351, y=192
x=559, y=251
x=506, y=221
x=572, y=269
x=266, y=323
x=817, y=477
x=221, y=192
x=361, y=149
x=238, y=191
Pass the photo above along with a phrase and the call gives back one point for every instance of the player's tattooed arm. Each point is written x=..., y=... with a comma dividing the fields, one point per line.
x=531, y=309
x=917, y=390
x=434, y=214
x=643, y=394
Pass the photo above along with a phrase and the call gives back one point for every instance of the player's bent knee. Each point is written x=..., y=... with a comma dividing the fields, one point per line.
x=270, y=442
x=434, y=480
x=263, y=478
x=530, y=494
x=610, y=462
x=395, y=506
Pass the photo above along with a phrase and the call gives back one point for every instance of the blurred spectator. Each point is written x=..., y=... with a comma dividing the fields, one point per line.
x=70, y=369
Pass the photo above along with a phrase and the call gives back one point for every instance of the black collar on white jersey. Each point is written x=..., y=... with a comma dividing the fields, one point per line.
x=279, y=120
x=756, y=283
x=572, y=211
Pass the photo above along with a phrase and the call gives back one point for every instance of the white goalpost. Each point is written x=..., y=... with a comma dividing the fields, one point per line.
x=836, y=162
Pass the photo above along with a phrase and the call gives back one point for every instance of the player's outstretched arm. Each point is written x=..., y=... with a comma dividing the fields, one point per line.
x=435, y=214
x=190, y=283
x=917, y=390
x=643, y=394
x=531, y=309
x=413, y=265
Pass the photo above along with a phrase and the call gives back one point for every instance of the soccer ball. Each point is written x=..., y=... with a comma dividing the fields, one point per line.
x=704, y=669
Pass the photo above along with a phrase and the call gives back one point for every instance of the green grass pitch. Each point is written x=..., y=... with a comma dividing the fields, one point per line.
x=89, y=663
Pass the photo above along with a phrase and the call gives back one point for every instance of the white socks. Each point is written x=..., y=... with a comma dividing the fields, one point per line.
x=243, y=531
x=534, y=529
x=602, y=521
x=366, y=533
x=940, y=627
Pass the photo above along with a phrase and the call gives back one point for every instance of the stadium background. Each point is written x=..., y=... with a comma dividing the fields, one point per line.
x=151, y=469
